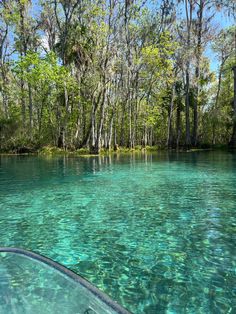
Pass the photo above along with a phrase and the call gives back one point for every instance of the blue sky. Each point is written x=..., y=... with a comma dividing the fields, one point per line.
x=221, y=21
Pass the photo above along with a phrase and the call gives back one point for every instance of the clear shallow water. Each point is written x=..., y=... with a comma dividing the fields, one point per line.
x=155, y=232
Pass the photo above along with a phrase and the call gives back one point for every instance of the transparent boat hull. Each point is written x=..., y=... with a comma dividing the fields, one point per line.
x=31, y=283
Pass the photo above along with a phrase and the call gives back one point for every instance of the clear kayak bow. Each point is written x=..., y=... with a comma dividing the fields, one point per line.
x=31, y=283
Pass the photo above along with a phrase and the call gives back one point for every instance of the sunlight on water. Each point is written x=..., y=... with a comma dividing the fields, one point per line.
x=157, y=232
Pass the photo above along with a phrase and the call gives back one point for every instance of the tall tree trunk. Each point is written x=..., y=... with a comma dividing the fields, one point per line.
x=145, y=135
x=84, y=119
x=23, y=52
x=233, y=138
x=63, y=121
x=150, y=140
x=3, y=49
x=115, y=132
x=93, y=128
x=197, y=73
x=215, y=109
x=189, y=12
x=61, y=138
x=76, y=137
x=129, y=72
x=30, y=109
x=170, y=114
x=178, y=125
x=99, y=134
x=5, y=100
x=187, y=115
x=110, y=131
x=23, y=111
x=122, y=130
x=130, y=144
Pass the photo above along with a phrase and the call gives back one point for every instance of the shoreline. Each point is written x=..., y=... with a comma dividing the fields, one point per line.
x=54, y=151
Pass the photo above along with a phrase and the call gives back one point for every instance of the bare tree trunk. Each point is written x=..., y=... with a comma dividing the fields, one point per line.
x=96, y=133
x=189, y=13
x=63, y=121
x=150, y=140
x=233, y=138
x=93, y=126
x=23, y=111
x=170, y=114
x=30, y=109
x=99, y=134
x=214, y=124
x=77, y=129
x=4, y=92
x=144, y=144
x=197, y=74
x=178, y=125
x=135, y=110
x=3, y=49
x=129, y=72
x=23, y=52
x=110, y=131
x=187, y=105
x=130, y=144
x=122, y=130
x=115, y=132
x=84, y=120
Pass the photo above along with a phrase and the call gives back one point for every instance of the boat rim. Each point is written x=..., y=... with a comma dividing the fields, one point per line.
x=69, y=273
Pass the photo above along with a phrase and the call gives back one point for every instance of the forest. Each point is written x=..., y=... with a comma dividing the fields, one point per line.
x=106, y=74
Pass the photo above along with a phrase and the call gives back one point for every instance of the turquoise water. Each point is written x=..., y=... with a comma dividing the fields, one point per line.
x=155, y=232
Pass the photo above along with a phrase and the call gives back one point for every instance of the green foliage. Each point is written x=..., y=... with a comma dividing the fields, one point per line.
x=157, y=59
x=51, y=150
x=101, y=75
x=45, y=71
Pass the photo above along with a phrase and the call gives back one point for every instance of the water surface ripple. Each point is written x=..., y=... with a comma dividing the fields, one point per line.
x=157, y=232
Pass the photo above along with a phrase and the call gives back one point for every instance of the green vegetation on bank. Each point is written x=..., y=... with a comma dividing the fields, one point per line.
x=94, y=76
x=56, y=151
x=48, y=151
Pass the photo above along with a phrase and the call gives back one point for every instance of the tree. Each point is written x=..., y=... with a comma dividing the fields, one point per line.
x=224, y=48
x=98, y=75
